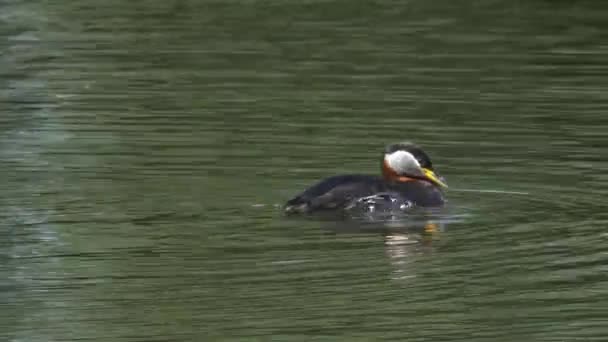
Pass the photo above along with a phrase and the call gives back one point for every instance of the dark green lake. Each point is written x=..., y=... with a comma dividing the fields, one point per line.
x=145, y=146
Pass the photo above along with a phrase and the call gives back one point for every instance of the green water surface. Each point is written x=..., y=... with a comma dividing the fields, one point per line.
x=145, y=146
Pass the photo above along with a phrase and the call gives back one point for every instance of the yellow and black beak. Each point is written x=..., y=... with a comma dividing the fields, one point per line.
x=430, y=175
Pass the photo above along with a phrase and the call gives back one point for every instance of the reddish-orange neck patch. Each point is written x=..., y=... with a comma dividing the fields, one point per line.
x=389, y=174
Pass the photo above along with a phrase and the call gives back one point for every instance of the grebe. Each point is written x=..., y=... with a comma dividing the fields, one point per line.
x=408, y=180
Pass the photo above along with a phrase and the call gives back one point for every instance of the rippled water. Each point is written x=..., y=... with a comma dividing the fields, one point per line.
x=144, y=147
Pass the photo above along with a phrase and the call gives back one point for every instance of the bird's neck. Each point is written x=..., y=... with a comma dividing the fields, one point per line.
x=390, y=175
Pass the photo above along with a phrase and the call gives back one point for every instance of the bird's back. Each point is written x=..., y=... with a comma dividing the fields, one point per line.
x=350, y=191
x=335, y=192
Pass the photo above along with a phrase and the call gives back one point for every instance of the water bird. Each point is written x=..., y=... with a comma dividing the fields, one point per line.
x=408, y=180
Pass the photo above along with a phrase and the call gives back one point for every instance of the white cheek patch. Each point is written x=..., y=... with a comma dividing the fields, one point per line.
x=403, y=163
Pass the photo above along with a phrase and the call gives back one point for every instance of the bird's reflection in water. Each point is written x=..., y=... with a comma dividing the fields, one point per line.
x=402, y=247
x=405, y=238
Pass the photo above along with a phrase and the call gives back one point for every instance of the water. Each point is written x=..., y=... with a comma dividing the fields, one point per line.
x=144, y=147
